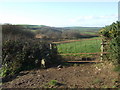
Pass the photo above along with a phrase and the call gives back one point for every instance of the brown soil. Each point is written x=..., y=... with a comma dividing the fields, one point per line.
x=77, y=76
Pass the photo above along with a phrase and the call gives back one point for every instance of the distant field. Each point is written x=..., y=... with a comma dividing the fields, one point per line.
x=84, y=46
x=33, y=30
x=89, y=32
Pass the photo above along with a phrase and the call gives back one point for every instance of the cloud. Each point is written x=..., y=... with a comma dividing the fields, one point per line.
x=94, y=20
x=85, y=21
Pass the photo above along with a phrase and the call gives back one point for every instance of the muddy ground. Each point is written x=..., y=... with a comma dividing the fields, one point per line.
x=87, y=75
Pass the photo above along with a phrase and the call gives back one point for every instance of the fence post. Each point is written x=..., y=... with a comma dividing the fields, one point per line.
x=51, y=47
x=101, y=55
x=102, y=48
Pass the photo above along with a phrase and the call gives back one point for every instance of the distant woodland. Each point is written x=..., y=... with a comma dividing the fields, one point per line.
x=47, y=33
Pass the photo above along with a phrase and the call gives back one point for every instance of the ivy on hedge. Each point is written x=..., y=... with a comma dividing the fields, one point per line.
x=111, y=34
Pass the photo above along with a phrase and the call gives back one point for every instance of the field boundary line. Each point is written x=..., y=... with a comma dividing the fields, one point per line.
x=84, y=61
x=68, y=41
x=84, y=53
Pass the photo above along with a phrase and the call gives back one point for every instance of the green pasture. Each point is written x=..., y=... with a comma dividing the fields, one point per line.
x=33, y=31
x=89, y=32
x=84, y=46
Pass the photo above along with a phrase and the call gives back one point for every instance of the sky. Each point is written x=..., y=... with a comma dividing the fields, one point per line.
x=59, y=13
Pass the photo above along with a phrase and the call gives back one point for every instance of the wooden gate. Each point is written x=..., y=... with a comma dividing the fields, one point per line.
x=82, y=50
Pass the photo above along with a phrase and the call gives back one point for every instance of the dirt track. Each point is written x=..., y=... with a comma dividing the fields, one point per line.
x=82, y=76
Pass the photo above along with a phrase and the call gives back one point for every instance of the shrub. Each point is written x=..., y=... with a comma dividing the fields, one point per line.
x=112, y=35
x=21, y=55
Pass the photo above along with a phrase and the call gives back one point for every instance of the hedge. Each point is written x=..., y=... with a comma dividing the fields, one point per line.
x=22, y=55
x=111, y=34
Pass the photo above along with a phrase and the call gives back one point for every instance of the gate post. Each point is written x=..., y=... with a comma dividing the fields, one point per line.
x=51, y=47
x=101, y=55
x=102, y=49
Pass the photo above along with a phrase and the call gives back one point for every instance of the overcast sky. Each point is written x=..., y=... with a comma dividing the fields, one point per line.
x=59, y=14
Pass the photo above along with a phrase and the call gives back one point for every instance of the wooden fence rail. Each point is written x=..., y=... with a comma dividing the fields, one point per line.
x=68, y=41
x=84, y=53
x=102, y=53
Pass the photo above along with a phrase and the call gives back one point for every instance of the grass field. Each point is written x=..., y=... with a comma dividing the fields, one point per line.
x=89, y=32
x=83, y=46
x=33, y=31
